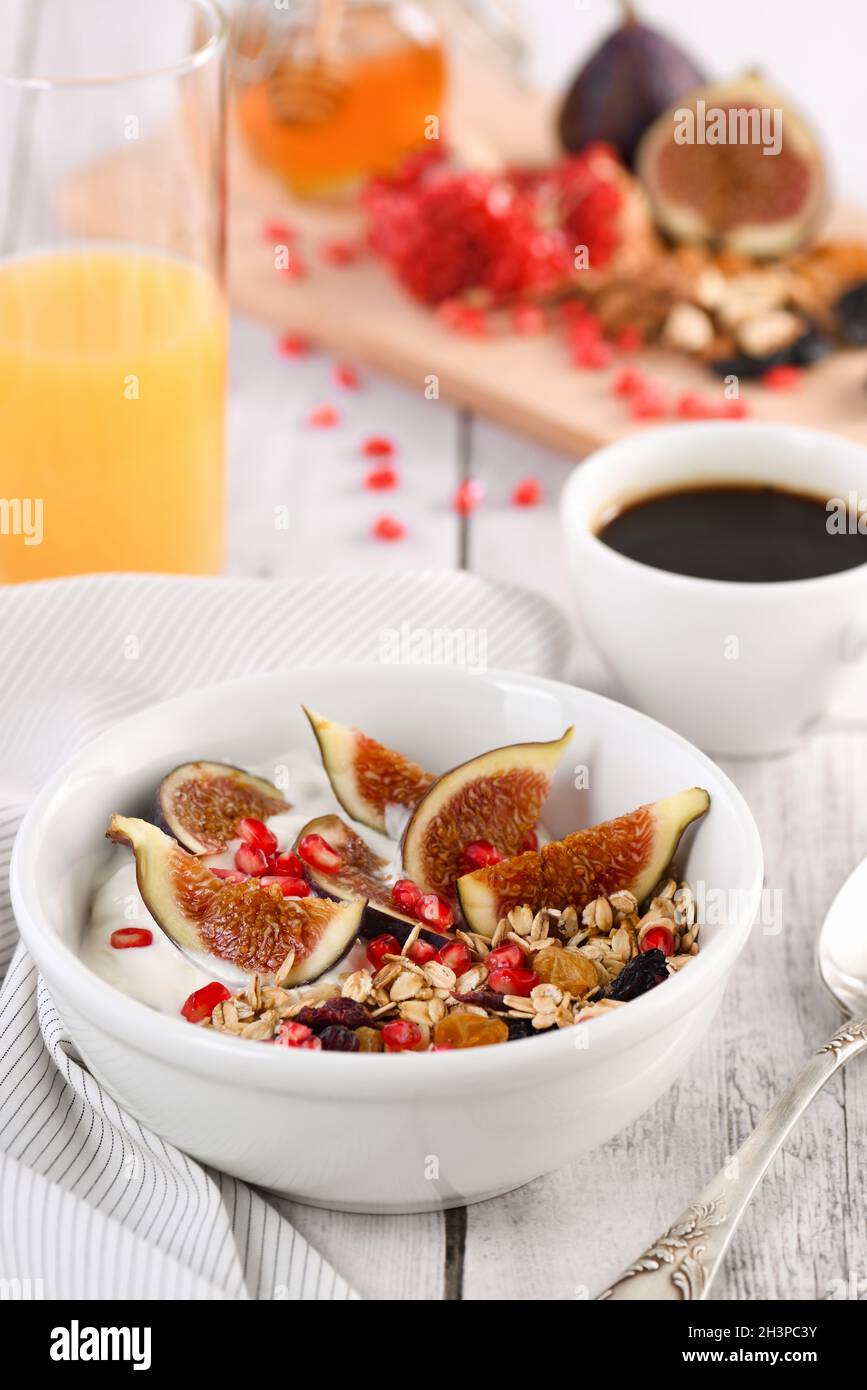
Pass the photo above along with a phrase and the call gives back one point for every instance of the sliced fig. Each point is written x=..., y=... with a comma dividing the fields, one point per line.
x=728, y=192
x=249, y=925
x=495, y=797
x=366, y=777
x=362, y=874
x=201, y=803
x=630, y=852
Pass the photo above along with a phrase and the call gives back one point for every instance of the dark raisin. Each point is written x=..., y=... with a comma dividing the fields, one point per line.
x=346, y=1012
x=519, y=1028
x=336, y=1038
x=852, y=315
x=640, y=975
x=487, y=998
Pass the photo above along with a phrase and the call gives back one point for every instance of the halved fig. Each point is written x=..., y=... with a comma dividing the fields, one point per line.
x=366, y=777
x=201, y=803
x=630, y=852
x=249, y=925
x=362, y=873
x=495, y=797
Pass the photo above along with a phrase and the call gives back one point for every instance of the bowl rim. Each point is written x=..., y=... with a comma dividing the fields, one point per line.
x=136, y=1025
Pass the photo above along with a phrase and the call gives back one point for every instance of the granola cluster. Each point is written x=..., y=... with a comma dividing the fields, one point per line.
x=573, y=968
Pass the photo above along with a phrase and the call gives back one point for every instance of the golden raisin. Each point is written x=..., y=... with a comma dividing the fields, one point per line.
x=567, y=969
x=369, y=1040
x=470, y=1030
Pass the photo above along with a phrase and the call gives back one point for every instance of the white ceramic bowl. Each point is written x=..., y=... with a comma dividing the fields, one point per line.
x=370, y=1132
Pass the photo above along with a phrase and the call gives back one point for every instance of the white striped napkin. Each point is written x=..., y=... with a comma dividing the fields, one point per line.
x=91, y=1204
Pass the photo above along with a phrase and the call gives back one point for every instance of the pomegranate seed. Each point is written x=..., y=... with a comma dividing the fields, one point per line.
x=295, y=270
x=250, y=860
x=649, y=404
x=346, y=376
x=388, y=528
x=293, y=1034
x=435, y=912
x=316, y=851
x=286, y=864
x=406, y=895
x=230, y=875
x=593, y=354
x=629, y=382
x=692, y=406
x=125, y=937
x=378, y=447
x=478, y=854
x=468, y=496
x=528, y=319
x=733, y=409
x=380, y=947
x=512, y=981
x=658, y=939
x=380, y=479
x=277, y=231
x=584, y=328
x=629, y=339
x=339, y=252
x=202, y=1002
x=508, y=957
x=401, y=1035
x=289, y=887
x=293, y=345
x=456, y=956
x=255, y=832
x=324, y=417
x=311, y=1045
x=782, y=377
x=527, y=493
x=463, y=318
x=530, y=841
x=421, y=952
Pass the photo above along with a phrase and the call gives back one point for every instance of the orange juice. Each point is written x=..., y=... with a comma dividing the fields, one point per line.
x=112, y=398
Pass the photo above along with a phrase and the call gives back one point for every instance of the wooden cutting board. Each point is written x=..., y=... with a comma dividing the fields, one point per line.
x=525, y=384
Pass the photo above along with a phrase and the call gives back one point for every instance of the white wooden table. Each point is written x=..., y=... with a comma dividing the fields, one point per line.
x=566, y=1235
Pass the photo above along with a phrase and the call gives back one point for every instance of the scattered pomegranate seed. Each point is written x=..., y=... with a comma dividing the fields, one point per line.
x=293, y=345
x=324, y=417
x=782, y=377
x=658, y=939
x=280, y=232
x=527, y=493
x=339, y=252
x=530, y=841
x=528, y=319
x=692, y=406
x=584, y=328
x=202, y=1002
x=463, y=318
x=513, y=981
x=421, y=952
x=346, y=376
x=376, y=446
x=478, y=854
x=295, y=270
x=401, y=1035
x=230, y=875
x=649, y=404
x=629, y=339
x=435, y=912
x=125, y=937
x=456, y=956
x=507, y=957
x=297, y=1035
x=388, y=528
x=289, y=887
x=250, y=860
x=406, y=896
x=255, y=832
x=733, y=409
x=316, y=851
x=467, y=497
x=380, y=947
x=286, y=864
x=593, y=354
x=381, y=479
x=629, y=382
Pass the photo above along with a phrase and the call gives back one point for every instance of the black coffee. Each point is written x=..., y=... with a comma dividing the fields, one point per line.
x=748, y=534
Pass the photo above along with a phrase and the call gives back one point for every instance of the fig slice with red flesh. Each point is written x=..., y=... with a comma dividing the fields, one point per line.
x=201, y=803
x=495, y=797
x=631, y=852
x=247, y=926
x=366, y=777
x=362, y=873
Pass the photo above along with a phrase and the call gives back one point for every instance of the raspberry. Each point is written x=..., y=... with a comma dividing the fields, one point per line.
x=336, y=1038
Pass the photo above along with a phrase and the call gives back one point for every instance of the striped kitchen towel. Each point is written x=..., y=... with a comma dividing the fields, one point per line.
x=92, y=1205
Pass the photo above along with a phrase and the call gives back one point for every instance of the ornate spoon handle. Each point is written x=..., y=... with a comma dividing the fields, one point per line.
x=683, y=1262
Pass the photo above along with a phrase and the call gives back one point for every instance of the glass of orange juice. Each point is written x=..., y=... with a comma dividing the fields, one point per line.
x=112, y=297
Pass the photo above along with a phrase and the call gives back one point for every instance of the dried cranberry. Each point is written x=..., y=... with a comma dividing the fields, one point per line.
x=380, y=947
x=336, y=1038
x=485, y=998
x=345, y=1012
x=639, y=975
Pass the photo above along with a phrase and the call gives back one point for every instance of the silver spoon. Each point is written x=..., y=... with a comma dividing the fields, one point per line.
x=683, y=1262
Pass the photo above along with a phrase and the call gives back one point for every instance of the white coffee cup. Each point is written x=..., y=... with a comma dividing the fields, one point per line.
x=738, y=668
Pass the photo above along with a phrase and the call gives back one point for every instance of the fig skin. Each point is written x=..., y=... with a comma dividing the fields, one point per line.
x=634, y=75
x=230, y=786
